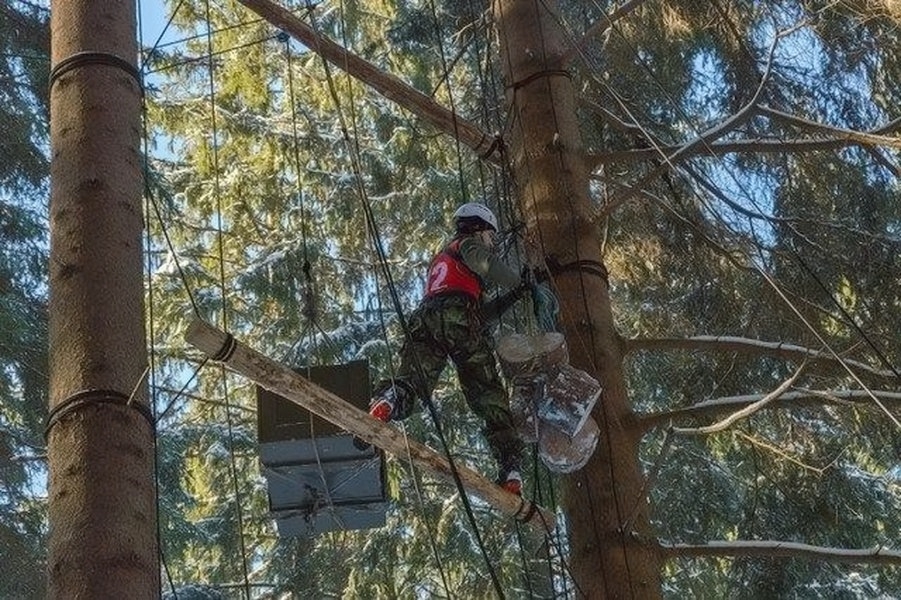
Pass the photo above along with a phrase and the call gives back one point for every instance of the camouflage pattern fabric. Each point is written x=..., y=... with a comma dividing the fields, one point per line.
x=451, y=327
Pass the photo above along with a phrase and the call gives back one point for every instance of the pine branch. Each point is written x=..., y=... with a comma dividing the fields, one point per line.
x=598, y=29
x=690, y=148
x=705, y=143
x=774, y=548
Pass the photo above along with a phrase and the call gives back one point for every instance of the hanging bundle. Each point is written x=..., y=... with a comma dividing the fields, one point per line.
x=552, y=401
x=546, y=307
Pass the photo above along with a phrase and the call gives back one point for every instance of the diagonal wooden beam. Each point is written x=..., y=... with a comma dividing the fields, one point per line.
x=482, y=142
x=222, y=347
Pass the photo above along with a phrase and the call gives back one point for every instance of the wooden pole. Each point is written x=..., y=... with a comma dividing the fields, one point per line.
x=273, y=376
x=613, y=552
x=102, y=541
x=390, y=86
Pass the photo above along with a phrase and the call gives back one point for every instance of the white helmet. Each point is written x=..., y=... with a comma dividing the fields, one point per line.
x=476, y=210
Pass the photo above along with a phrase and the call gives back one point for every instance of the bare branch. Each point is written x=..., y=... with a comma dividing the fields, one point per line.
x=730, y=147
x=801, y=397
x=773, y=548
x=815, y=332
x=874, y=138
x=722, y=343
x=623, y=127
x=690, y=148
x=783, y=453
x=746, y=411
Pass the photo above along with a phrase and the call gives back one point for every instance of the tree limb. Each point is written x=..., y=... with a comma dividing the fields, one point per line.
x=701, y=141
x=747, y=411
x=801, y=397
x=390, y=86
x=773, y=548
x=866, y=138
x=737, y=146
x=723, y=343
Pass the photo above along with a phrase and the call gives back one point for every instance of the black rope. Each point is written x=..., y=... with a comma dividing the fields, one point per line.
x=445, y=78
x=526, y=511
x=93, y=397
x=580, y=265
x=379, y=250
x=152, y=51
x=539, y=75
x=384, y=264
x=83, y=59
x=589, y=267
x=149, y=203
x=227, y=350
x=372, y=230
x=229, y=345
x=497, y=143
x=309, y=303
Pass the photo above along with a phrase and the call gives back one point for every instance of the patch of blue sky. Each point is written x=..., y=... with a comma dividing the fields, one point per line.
x=797, y=48
x=751, y=193
x=802, y=57
x=153, y=19
x=838, y=93
x=706, y=96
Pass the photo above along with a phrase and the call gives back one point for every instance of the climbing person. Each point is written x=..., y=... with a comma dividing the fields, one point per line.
x=451, y=322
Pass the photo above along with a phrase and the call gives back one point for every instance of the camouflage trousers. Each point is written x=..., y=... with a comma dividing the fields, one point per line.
x=451, y=327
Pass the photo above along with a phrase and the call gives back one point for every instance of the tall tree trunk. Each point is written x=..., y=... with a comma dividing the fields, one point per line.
x=100, y=441
x=613, y=554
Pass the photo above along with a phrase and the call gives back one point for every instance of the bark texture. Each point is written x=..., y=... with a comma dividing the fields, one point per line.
x=102, y=503
x=613, y=554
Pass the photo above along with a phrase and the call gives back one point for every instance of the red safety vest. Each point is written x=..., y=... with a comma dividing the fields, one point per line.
x=448, y=274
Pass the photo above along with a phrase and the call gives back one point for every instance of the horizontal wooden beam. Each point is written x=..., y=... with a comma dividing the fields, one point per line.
x=284, y=381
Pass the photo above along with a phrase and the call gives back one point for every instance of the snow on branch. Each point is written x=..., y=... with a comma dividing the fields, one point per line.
x=876, y=137
x=779, y=549
x=800, y=397
x=831, y=138
x=744, y=412
x=722, y=343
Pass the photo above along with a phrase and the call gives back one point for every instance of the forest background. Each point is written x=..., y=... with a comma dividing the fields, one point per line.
x=744, y=160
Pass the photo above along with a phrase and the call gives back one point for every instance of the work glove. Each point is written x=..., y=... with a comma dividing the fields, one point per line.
x=545, y=305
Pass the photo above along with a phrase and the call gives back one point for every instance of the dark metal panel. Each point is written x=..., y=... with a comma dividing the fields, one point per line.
x=304, y=486
x=280, y=419
x=307, y=450
x=317, y=479
x=298, y=523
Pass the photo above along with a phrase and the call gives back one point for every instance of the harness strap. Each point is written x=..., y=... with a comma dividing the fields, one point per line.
x=91, y=397
x=589, y=267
